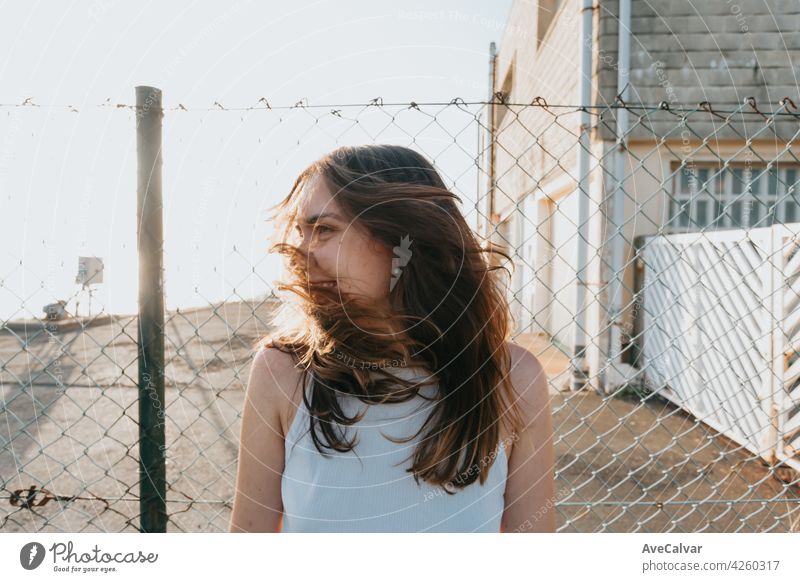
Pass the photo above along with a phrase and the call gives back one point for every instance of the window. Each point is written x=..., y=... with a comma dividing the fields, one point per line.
x=706, y=196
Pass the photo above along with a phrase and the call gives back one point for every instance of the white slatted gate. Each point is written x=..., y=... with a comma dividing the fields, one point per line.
x=721, y=335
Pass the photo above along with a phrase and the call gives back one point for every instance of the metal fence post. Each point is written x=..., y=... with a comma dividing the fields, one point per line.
x=578, y=362
x=149, y=229
x=777, y=336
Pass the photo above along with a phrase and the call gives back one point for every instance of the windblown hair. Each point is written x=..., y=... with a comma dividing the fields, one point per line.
x=449, y=301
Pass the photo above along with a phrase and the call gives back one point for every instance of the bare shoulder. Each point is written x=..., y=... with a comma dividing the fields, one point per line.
x=529, y=380
x=523, y=361
x=274, y=382
x=531, y=468
x=273, y=361
x=258, y=505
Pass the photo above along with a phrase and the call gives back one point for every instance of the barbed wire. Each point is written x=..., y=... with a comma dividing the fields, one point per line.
x=263, y=104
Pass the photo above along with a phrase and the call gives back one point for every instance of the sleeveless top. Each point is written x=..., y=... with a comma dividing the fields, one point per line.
x=368, y=488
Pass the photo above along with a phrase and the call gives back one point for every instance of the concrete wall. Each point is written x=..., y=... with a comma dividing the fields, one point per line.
x=536, y=163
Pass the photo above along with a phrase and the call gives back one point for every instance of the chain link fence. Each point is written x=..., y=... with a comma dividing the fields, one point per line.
x=685, y=416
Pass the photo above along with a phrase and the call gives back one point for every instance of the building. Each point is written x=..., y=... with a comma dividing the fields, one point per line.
x=681, y=54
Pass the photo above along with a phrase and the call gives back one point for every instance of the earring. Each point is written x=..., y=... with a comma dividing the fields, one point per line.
x=396, y=271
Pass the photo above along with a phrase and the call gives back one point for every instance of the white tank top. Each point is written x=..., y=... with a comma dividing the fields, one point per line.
x=368, y=488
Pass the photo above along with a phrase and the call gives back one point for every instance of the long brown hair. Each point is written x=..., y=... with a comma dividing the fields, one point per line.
x=449, y=302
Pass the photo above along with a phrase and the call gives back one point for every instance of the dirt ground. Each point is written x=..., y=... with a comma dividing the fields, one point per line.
x=622, y=464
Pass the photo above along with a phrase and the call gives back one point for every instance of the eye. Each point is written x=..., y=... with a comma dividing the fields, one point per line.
x=323, y=228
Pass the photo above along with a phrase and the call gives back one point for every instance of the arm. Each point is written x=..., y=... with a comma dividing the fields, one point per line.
x=257, y=505
x=530, y=488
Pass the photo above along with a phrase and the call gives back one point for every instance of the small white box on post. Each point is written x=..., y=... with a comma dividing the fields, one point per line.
x=90, y=272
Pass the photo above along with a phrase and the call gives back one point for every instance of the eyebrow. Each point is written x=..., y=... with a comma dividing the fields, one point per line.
x=315, y=217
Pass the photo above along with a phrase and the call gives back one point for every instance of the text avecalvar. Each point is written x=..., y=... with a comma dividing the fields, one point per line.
x=671, y=549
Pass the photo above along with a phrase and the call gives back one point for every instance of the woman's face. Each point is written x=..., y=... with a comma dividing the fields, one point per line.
x=339, y=249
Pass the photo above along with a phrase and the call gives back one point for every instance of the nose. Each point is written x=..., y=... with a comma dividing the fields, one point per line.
x=305, y=244
x=303, y=256
x=310, y=262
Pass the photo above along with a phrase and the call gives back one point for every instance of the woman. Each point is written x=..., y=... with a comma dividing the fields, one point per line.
x=390, y=399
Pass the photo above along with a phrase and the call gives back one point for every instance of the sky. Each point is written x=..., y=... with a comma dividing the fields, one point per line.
x=68, y=163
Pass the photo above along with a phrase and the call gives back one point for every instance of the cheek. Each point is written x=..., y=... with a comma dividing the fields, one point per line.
x=338, y=255
x=349, y=257
x=326, y=256
x=366, y=263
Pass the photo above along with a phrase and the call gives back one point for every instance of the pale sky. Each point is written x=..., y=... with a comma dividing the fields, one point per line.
x=68, y=179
